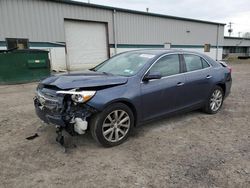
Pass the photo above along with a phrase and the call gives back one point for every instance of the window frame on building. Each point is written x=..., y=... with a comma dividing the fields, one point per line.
x=17, y=43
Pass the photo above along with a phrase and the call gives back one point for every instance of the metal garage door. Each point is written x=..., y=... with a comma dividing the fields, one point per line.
x=86, y=44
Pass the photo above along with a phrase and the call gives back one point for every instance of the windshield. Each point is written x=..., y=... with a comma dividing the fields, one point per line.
x=126, y=64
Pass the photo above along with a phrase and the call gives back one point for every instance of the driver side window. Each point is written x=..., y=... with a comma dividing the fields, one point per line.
x=167, y=65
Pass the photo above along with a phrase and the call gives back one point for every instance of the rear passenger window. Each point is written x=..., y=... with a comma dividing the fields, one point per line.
x=194, y=62
x=167, y=66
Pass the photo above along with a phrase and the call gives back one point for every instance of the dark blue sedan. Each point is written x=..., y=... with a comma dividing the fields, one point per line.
x=130, y=89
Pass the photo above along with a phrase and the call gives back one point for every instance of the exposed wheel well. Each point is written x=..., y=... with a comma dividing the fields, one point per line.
x=223, y=87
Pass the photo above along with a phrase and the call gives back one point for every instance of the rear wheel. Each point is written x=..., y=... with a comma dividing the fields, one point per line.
x=215, y=101
x=112, y=126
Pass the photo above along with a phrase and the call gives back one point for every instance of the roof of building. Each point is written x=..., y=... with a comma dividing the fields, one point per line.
x=133, y=11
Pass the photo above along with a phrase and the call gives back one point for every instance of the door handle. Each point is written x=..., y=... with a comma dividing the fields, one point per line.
x=180, y=84
x=208, y=77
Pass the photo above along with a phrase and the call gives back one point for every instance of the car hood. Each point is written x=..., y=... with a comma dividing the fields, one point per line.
x=86, y=79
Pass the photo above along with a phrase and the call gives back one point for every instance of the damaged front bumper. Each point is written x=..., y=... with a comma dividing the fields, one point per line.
x=61, y=111
x=47, y=116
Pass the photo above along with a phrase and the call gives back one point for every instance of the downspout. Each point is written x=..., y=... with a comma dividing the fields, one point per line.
x=217, y=41
x=67, y=59
x=114, y=30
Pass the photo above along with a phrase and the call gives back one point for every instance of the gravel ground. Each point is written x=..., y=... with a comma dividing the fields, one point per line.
x=188, y=150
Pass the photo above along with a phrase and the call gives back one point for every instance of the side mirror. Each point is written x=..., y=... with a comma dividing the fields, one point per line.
x=152, y=76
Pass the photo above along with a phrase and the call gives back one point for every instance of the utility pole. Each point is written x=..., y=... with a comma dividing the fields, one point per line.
x=230, y=30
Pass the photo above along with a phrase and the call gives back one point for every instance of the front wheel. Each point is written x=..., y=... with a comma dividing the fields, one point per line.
x=215, y=101
x=112, y=126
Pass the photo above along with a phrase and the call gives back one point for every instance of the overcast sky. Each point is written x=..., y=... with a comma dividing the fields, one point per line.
x=225, y=11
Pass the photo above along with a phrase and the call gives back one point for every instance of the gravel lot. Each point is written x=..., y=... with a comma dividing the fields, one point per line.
x=188, y=150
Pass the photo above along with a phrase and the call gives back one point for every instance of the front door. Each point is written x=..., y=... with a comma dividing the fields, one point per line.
x=161, y=96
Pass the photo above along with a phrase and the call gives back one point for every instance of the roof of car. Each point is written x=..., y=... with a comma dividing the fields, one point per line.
x=159, y=51
x=162, y=51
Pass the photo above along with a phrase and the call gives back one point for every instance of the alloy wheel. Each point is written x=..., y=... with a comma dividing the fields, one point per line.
x=116, y=126
x=216, y=100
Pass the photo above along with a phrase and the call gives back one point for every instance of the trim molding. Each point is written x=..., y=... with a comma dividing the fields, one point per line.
x=137, y=46
x=157, y=46
x=39, y=44
x=62, y=44
x=192, y=46
x=238, y=38
x=47, y=44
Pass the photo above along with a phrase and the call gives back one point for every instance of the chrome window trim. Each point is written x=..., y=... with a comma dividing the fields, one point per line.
x=176, y=53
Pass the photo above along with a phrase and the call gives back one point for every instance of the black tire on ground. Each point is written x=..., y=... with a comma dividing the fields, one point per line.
x=97, y=121
x=207, y=108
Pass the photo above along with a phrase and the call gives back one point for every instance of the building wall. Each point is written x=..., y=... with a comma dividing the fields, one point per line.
x=236, y=46
x=144, y=29
x=235, y=41
x=43, y=21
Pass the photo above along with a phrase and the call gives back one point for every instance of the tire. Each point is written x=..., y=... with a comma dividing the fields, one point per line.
x=217, y=102
x=117, y=119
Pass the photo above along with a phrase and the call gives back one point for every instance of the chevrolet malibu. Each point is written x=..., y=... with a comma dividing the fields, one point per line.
x=130, y=89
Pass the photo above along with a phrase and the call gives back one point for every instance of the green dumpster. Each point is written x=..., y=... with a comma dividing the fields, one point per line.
x=21, y=66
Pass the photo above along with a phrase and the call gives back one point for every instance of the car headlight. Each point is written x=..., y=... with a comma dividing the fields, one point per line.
x=79, y=96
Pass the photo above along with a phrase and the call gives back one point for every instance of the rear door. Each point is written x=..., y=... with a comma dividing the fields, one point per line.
x=198, y=78
x=162, y=96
